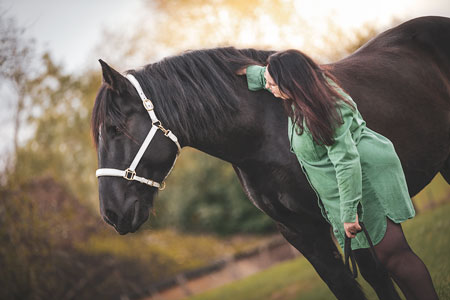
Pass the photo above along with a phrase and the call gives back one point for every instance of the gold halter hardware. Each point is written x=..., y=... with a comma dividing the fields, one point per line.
x=129, y=174
x=148, y=104
x=162, y=186
x=159, y=125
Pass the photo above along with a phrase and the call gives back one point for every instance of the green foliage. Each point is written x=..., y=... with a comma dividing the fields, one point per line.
x=161, y=250
x=21, y=242
x=16, y=67
x=204, y=195
x=61, y=146
x=54, y=247
x=38, y=223
x=427, y=234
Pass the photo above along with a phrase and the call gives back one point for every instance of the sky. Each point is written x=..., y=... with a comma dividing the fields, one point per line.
x=71, y=29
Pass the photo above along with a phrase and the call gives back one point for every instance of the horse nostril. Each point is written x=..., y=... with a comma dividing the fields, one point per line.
x=110, y=217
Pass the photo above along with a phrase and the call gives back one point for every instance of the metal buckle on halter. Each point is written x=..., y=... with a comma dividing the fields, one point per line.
x=129, y=174
x=162, y=185
x=159, y=125
x=148, y=104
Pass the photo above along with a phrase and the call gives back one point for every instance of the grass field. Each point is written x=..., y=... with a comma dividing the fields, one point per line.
x=428, y=234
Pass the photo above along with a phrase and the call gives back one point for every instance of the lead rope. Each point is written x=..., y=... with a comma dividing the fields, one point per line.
x=349, y=255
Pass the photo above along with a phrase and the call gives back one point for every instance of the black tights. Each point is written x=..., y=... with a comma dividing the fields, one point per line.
x=405, y=267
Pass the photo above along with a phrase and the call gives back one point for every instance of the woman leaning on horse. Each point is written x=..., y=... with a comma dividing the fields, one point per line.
x=354, y=170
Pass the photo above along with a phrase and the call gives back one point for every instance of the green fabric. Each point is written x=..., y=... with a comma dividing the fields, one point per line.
x=256, y=79
x=360, y=172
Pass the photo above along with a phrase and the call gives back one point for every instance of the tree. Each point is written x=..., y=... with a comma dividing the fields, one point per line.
x=16, y=67
x=204, y=195
x=61, y=146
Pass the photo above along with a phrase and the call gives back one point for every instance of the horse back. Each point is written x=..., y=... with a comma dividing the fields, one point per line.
x=400, y=81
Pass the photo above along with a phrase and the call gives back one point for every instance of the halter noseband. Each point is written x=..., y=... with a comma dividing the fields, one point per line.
x=130, y=173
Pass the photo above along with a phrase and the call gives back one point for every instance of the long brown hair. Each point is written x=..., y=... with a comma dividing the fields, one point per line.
x=311, y=97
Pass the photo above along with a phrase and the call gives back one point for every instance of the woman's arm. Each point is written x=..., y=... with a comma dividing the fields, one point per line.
x=345, y=159
x=255, y=77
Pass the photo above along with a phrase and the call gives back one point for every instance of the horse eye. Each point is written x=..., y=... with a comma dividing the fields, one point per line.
x=115, y=130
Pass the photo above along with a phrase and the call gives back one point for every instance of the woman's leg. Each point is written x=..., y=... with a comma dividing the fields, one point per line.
x=405, y=267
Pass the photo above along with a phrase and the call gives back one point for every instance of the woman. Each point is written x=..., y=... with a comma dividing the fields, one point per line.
x=355, y=171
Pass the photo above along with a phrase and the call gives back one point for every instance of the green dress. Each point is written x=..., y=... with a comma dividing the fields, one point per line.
x=360, y=172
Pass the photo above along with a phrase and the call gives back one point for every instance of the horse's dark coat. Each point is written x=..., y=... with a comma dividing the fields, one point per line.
x=400, y=81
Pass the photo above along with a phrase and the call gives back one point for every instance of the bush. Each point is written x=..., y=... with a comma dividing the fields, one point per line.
x=204, y=195
x=53, y=247
x=41, y=228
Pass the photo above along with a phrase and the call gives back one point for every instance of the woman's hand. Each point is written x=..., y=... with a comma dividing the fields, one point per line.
x=351, y=229
x=242, y=71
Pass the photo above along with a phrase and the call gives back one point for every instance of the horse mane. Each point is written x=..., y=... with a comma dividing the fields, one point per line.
x=194, y=91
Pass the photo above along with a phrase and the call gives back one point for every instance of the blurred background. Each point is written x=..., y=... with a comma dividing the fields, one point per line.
x=53, y=243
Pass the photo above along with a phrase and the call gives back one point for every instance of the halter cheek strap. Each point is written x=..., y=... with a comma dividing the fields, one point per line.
x=130, y=173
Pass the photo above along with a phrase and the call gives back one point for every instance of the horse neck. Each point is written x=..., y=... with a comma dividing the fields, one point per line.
x=246, y=136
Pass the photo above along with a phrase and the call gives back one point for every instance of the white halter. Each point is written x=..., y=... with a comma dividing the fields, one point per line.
x=130, y=173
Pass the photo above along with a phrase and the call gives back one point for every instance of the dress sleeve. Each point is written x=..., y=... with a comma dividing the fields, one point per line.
x=255, y=77
x=345, y=159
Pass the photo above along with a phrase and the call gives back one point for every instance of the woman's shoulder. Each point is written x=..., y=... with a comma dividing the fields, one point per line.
x=255, y=69
x=255, y=77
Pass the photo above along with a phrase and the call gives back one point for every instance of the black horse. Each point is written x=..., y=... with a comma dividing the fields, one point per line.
x=400, y=81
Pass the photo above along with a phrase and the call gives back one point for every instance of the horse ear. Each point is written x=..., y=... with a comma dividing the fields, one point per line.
x=114, y=79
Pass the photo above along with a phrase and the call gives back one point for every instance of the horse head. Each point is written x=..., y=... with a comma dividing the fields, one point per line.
x=129, y=175
x=199, y=97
